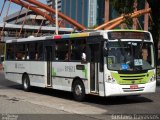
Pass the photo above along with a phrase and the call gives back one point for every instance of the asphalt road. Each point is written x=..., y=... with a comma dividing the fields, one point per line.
x=53, y=104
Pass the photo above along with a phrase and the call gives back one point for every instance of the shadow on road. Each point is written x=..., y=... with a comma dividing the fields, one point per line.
x=89, y=98
x=117, y=100
x=5, y=84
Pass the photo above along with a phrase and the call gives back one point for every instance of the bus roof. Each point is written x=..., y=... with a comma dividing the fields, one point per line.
x=72, y=35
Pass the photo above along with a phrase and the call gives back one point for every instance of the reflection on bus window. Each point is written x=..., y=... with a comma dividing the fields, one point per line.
x=78, y=50
x=20, y=51
x=10, y=52
x=62, y=51
x=34, y=51
x=130, y=56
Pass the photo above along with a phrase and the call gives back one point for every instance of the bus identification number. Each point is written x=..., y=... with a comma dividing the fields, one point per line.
x=70, y=68
x=19, y=66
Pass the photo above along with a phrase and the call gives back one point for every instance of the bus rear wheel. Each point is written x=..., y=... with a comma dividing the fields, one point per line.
x=26, y=83
x=78, y=90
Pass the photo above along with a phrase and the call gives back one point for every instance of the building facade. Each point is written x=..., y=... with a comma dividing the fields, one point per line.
x=82, y=11
x=91, y=13
x=26, y=17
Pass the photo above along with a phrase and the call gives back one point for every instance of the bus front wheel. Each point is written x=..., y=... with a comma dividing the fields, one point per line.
x=78, y=90
x=26, y=83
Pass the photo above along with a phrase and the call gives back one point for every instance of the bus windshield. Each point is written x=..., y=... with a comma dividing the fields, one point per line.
x=129, y=55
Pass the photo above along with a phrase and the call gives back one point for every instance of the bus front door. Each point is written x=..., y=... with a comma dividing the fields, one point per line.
x=49, y=65
x=94, y=71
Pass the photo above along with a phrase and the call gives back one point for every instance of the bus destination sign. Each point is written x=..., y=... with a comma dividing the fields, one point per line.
x=128, y=35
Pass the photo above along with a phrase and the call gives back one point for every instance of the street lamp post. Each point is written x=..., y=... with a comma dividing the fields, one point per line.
x=56, y=6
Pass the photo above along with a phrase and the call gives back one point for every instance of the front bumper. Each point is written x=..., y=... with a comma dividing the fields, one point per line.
x=125, y=90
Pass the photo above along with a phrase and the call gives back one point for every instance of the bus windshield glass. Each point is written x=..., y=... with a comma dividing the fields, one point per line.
x=130, y=56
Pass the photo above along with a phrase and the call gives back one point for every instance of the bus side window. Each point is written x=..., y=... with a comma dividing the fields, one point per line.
x=39, y=51
x=56, y=52
x=62, y=51
x=31, y=51
x=78, y=50
x=10, y=52
x=20, y=56
x=27, y=51
x=20, y=51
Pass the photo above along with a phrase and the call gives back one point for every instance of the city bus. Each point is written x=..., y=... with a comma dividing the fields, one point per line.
x=103, y=63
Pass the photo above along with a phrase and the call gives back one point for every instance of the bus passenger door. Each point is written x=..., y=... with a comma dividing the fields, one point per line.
x=48, y=50
x=94, y=71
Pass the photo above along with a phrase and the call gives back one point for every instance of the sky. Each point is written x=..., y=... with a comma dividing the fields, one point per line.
x=13, y=8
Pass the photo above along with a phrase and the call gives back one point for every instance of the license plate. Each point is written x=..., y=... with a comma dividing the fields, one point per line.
x=133, y=86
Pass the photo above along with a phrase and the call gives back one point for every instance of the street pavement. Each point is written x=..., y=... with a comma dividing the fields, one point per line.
x=53, y=104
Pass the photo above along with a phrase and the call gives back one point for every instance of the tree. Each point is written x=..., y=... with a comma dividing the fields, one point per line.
x=124, y=7
x=127, y=6
x=155, y=8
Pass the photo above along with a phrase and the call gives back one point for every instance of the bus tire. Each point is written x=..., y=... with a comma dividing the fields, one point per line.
x=78, y=90
x=26, y=83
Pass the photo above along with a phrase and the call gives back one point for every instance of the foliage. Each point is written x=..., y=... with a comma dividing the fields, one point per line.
x=155, y=30
x=154, y=5
x=124, y=7
x=127, y=6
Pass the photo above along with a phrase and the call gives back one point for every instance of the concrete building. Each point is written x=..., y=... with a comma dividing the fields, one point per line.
x=13, y=25
x=89, y=13
x=29, y=16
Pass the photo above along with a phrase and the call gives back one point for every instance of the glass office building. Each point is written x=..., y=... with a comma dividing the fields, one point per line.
x=82, y=11
x=92, y=13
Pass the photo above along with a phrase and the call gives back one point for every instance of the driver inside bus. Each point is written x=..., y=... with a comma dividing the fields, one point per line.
x=144, y=54
x=146, y=64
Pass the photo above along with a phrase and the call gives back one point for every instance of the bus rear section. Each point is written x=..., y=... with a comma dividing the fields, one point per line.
x=22, y=65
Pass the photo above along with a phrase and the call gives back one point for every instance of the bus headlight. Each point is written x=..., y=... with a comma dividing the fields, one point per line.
x=153, y=78
x=110, y=79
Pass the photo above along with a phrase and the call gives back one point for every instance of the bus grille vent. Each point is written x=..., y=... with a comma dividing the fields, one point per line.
x=137, y=77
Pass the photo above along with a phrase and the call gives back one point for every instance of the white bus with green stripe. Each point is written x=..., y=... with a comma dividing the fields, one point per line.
x=102, y=63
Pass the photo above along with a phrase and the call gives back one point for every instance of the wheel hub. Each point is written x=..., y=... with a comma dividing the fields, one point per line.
x=25, y=83
x=78, y=90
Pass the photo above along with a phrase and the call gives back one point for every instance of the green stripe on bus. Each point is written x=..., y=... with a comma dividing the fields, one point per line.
x=53, y=72
x=127, y=30
x=79, y=35
x=85, y=73
x=127, y=79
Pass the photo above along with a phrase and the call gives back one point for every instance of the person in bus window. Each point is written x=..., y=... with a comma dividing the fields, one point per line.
x=83, y=54
x=144, y=54
x=36, y=56
x=145, y=62
x=66, y=56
